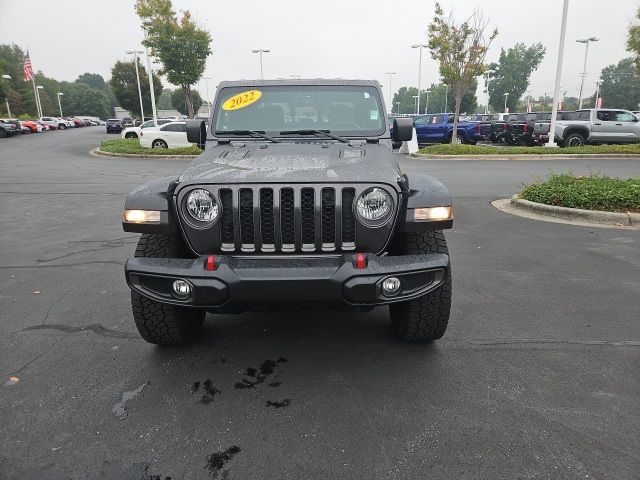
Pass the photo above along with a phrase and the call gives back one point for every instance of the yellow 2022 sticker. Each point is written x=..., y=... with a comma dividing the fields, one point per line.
x=241, y=100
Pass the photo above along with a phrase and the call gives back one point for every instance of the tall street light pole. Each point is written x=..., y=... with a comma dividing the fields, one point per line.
x=415, y=103
x=60, y=103
x=506, y=95
x=426, y=109
x=597, y=103
x=6, y=99
x=390, y=90
x=206, y=83
x=419, y=46
x=261, y=51
x=556, y=91
x=398, y=107
x=584, y=68
x=446, y=98
x=38, y=88
x=135, y=61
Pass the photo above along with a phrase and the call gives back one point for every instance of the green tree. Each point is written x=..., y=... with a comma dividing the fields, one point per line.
x=125, y=86
x=179, y=102
x=511, y=74
x=181, y=47
x=164, y=102
x=633, y=41
x=80, y=99
x=620, y=87
x=94, y=80
x=460, y=49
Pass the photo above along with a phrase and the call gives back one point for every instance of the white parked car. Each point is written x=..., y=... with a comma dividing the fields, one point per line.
x=56, y=122
x=170, y=135
x=134, y=132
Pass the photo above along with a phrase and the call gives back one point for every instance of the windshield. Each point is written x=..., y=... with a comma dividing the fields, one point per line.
x=343, y=109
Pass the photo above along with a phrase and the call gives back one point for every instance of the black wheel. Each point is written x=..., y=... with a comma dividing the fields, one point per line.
x=574, y=140
x=425, y=318
x=160, y=323
x=159, y=144
x=3, y=133
x=130, y=135
x=62, y=126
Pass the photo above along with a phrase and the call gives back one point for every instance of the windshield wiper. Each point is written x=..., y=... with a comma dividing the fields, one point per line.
x=253, y=133
x=316, y=133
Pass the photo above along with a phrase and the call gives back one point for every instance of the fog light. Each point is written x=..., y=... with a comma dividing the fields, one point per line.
x=181, y=289
x=391, y=286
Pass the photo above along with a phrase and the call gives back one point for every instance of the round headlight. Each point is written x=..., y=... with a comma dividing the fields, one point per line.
x=374, y=205
x=202, y=206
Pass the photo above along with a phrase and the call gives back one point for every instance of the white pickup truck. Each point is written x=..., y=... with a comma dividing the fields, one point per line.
x=592, y=126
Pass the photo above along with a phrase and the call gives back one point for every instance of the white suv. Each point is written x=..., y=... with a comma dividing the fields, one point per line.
x=58, y=123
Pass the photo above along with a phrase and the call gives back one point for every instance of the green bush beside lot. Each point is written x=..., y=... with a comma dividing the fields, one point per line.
x=132, y=145
x=450, y=149
x=595, y=192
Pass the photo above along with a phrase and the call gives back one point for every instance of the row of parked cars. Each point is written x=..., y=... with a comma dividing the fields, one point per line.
x=14, y=126
x=573, y=128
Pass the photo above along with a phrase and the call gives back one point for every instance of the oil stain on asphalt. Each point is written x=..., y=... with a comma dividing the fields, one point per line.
x=257, y=377
x=284, y=403
x=209, y=391
x=217, y=461
x=119, y=409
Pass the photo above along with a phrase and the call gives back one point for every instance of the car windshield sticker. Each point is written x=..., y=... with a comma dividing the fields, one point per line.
x=373, y=114
x=241, y=100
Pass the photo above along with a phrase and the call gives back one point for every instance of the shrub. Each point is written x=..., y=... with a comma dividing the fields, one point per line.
x=594, y=192
x=132, y=145
x=450, y=149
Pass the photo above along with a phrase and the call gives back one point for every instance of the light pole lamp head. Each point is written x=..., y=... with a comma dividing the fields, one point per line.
x=8, y=77
x=60, y=93
x=40, y=87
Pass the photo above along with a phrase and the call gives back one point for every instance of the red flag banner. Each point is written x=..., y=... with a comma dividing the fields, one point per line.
x=27, y=70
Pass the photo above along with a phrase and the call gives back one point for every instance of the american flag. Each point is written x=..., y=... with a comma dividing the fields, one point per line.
x=27, y=71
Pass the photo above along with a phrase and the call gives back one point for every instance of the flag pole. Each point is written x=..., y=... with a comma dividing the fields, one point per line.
x=35, y=94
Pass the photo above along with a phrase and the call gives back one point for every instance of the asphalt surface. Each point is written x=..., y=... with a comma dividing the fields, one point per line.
x=536, y=377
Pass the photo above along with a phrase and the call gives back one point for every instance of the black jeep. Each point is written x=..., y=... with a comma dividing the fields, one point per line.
x=297, y=202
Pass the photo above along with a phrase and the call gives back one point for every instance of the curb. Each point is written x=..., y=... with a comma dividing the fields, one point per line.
x=524, y=156
x=578, y=214
x=96, y=152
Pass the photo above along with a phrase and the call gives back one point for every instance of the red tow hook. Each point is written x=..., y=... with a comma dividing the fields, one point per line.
x=361, y=261
x=210, y=263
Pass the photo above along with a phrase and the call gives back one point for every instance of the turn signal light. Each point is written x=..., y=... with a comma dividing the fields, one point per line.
x=210, y=263
x=142, y=216
x=432, y=214
x=361, y=261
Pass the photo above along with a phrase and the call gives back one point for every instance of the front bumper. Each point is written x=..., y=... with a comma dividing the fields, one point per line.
x=244, y=283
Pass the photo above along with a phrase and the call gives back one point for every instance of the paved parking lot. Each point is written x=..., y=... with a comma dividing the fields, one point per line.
x=536, y=377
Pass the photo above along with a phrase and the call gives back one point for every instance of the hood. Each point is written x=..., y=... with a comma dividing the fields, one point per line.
x=288, y=162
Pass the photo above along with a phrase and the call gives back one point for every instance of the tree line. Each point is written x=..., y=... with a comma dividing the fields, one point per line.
x=460, y=49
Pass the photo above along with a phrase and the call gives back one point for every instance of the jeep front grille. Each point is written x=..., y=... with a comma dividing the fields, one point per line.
x=287, y=219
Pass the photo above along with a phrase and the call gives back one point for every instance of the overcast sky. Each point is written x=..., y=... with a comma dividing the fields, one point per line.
x=331, y=38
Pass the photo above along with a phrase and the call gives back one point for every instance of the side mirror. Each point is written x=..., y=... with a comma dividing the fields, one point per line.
x=402, y=129
x=197, y=132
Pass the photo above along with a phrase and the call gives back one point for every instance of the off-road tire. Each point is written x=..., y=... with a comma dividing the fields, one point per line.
x=574, y=140
x=425, y=318
x=161, y=323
